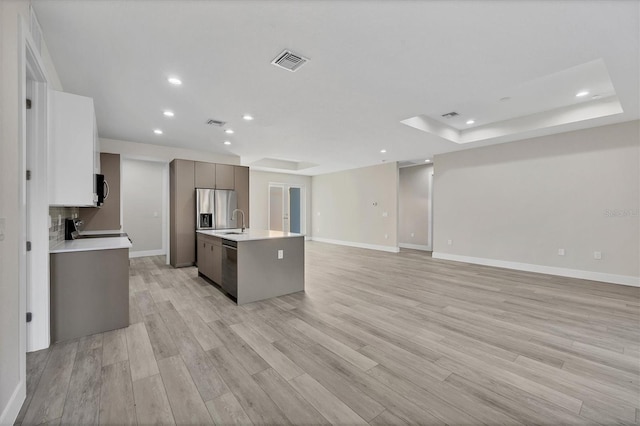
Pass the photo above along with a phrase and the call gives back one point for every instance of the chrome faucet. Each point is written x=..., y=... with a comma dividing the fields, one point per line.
x=233, y=216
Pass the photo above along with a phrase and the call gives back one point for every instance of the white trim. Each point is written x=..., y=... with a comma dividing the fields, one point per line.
x=415, y=246
x=389, y=249
x=551, y=270
x=12, y=409
x=145, y=253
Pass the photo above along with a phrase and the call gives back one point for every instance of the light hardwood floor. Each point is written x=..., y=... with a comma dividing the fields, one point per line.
x=377, y=338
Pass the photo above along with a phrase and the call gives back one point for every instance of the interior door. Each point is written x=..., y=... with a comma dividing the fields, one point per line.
x=276, y=207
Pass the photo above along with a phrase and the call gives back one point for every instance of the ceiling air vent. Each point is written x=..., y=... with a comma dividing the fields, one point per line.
x=217, y=123
x=450, y=114
x=289, y=61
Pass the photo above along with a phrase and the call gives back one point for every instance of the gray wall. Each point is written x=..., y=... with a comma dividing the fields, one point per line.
x=413, y=205
x=344, y=210
x=522, y=201
x=142, y=203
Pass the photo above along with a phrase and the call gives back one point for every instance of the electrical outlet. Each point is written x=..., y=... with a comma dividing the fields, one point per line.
x=385, y=214
x=412, y=235
x=449, y=242
x=560, y=252
x=386, y=236
x=280, y=254
x=597, y=255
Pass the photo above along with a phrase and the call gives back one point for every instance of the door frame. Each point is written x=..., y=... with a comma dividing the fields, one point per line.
x=283, y=187
x=34, y=280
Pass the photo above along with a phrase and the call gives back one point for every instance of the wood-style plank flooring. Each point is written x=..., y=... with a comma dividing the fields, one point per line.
x=377, y=338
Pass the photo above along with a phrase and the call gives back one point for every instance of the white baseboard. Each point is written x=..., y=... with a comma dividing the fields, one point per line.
x=145, y=253
x=551, y=270
x=12, y=409
x=389, y=249
x=415, y=246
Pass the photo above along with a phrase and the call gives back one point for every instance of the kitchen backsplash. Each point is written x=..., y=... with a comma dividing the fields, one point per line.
x=56, y=232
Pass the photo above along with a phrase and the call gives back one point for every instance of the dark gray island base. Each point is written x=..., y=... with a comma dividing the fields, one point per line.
x=262, y=265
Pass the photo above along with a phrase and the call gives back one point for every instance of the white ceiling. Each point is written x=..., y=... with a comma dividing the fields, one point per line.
x=372, y=65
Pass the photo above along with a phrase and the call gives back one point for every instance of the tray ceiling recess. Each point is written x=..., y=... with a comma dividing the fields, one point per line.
x=289, y=61
x=579, y=93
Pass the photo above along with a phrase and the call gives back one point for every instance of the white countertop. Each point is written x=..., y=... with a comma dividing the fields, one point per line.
x=89, y=244
x=248, y=234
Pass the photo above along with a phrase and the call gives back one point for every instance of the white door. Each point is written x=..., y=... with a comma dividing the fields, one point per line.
x=277, y=208
x=286, y=208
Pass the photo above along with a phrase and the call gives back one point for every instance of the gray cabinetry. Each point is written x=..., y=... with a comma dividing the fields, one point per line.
x=205, y=175
x=89, y=292
x=184, y=177
x=182, y=224
x=210, y=257
x=225, y=178
x=242, y=191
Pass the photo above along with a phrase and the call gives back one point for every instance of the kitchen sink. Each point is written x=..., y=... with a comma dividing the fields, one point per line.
x=232, y=233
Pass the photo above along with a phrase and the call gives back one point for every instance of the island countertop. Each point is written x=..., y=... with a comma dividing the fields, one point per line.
x=248, y=234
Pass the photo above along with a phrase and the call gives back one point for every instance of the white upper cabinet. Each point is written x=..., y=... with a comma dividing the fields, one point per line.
x=74, y=153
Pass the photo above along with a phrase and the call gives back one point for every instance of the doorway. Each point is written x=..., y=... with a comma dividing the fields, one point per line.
x=287, y=208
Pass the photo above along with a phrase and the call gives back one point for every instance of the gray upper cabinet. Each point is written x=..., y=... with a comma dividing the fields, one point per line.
x=225, y=178
x=205, y=175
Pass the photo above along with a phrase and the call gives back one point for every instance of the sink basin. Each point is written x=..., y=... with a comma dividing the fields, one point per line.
x=232, y=233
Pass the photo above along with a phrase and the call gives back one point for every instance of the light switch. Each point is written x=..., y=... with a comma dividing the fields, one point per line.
x=561, y=252
x=597, y=255
x=385, y=214
x=280, y=254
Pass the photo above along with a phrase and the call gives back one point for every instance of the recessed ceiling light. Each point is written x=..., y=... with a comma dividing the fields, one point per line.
x=581, y=94
x=168, y=113
x=174, y=80
x=157, y=131
x=247, y=117
x=229, y=131
x=427, y=161
x=227, y=143
x=382, y=151
x=470, y=121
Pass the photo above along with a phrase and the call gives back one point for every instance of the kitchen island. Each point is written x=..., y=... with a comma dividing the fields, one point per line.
x=252, y=265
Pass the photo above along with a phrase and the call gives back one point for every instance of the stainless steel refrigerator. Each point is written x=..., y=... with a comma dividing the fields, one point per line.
x=214, y=208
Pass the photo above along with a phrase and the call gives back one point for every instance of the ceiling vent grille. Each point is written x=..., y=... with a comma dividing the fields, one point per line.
x=217, y=123
x=289, y=61
x=450, y=114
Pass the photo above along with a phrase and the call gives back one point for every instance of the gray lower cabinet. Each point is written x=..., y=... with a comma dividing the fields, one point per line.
x=210, y=257
x=89, y=292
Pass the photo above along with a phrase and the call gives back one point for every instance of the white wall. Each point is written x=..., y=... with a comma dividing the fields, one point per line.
x=348, y=207
x=522, y=201
x=143, y=186
x=259, y=196
x=414, y=206
x=144, y=151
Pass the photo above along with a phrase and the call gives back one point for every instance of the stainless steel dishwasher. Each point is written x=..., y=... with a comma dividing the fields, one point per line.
x=230, y=267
